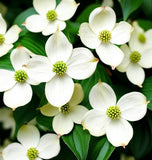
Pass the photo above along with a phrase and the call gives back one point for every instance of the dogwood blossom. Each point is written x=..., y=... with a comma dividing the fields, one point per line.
x=31, y=146
x=7, y=38
x=49, y=16
x=67, y=115
x=102, y=32
x=63, y=64
x=110, y=118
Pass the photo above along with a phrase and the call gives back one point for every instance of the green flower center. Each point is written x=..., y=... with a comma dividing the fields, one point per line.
x=135, y=57
x=32, y=153
x=113, y=112
x=105, y=36
x=51, y=15
x=2, y=39
x=65, y=109
x=59, y=68
x=20, y=76
x=142, y=38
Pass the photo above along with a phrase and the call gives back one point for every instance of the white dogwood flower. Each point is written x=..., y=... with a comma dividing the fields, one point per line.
x=31, y=146
x=68, y=114
x=49, y=16
x=110, y=118
x=63, y=64
x=16, y=84
x=134, y=61
x=7, y=38
x=102, y=32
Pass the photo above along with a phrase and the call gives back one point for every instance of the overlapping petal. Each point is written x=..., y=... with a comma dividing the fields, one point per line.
x=5, y=48
x=3, y=25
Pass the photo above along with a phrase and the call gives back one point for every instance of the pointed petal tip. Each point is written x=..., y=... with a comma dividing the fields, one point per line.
x=124, y=146
x=78, y=4
x=147, y=102
x=140, y=85
x=24, y=24
x=59, y=135
x=113, y=67
x=14, y=109
x=19, y=46
x=99, y=81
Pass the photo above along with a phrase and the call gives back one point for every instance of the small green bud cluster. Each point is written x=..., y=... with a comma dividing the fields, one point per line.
x=113, y=112
x=2, y=39
x=135, y=57
x=105, y=36
x=51, y=15
x=59, y=68
x=65, y=109
x=20, y=76
x=32, y=153
x=142, y=38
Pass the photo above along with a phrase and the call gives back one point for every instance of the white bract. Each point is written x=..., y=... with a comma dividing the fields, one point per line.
x=31, y=146
x=110, y=118
x=102, y=32
x=134, y=61
x=49, y=16
x=63, y=64
x=16, y=84
x=7, y=38
x=67, y=115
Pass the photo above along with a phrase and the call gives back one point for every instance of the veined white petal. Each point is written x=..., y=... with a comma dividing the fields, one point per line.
x=77, y=96
x=121, y=33
x=43, y=6
x=77, y=112
x=66, y=9
x=19, y=95
x=148, y=35
x=119, y=132
x=49, y=146
x=88, y=37
x=32, y=81
x=7, y=80
x=14, y=151
x=5, y=48
x=135, y=74
x=3, y=25
x=49, y=110
x=28, y=136
x=59, y=90
x=82, y=63
x=122, y=67
x=19, y=58
x=133, y=106
x=110, y=54
x=95, y=121
x=36, y=23
x=58, y=48
x=62, y=124
x=102, y=18
x=12, y=34
x=102, y=96
x=52, y=27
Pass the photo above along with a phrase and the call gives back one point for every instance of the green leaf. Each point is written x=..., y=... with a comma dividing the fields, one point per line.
x=129, y=6
x=5, y=62
x=147, y=8
x=145, y=24
x=78, y=141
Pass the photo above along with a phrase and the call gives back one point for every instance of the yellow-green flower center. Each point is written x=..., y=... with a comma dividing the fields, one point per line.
x=20, y=76
x=32, y=153
x=2, y=39
x=59, y=68
x=113, y=112
x=65, y=109
x=135, y=57
x=105, y=36
x=142, y=38
x=51, y=15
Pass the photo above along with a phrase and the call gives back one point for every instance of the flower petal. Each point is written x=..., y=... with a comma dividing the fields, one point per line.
x=59, y=90
x=42, y=7
x=110, y=54
x=58, y=48
x=62, y=124
x=135, y=74
x=36, y=23
x=3, y=25
x=28, y=136
x=95, y=121
x=17, y=96
x=102, y=18
x=12, y=34
x=121, y=33
x=102, y=96
x=133, y=106
x=49, y=110
x=148, y=35
x=88, y=37
x=49, y=146
x=119, y=132
x=5, y=48
x=77, y=112
x=7, y=80
x=82, y=63
x=66, y=9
